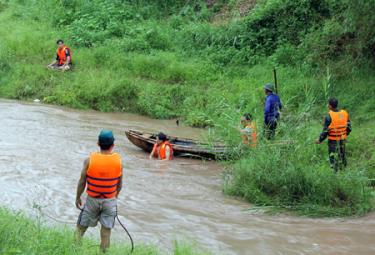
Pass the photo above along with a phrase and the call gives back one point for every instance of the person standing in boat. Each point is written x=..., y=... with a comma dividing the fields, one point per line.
x=248, y=130
x=162, y=148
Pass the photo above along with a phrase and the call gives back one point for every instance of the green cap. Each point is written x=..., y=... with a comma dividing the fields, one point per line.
x=106, y=137
x=269, y=87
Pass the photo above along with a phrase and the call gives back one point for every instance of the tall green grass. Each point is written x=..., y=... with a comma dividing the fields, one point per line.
x=21, y=235
x=162, y=82
x=292, y=172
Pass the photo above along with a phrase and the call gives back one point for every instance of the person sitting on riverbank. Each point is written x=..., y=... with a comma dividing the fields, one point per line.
x=63, y=59
x=337, y=127
x=162, y=148
x=102, y=174
x=248, y=130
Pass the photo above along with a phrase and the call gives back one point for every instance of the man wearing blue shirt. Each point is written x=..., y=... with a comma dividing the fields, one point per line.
x=271, y=111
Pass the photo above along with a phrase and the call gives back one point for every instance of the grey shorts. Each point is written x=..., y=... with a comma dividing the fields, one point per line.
x=98, y=209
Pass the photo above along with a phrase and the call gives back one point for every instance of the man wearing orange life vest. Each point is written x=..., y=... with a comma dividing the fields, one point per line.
x=336, y=127
x=102, y=177
x=162, y=148
x=248, y=130
x=63, y=57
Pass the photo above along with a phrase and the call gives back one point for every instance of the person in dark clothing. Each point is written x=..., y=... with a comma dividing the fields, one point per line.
x=336, y=127
x=271, y=111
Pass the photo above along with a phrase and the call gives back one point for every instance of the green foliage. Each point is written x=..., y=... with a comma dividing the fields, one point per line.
x=287, y=55
x=95, y=21
x=21, y=235
x=279, y=21
x=123, y=95
x=291, y=172
x=319, y=31
x=185, y=249
x=3, y=5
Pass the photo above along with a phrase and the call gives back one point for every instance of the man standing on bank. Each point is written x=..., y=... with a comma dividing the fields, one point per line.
x=271, y=111
x=102, y=175
x=336, y=127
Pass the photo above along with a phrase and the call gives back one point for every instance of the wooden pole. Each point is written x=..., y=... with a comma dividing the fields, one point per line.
x=275, y=79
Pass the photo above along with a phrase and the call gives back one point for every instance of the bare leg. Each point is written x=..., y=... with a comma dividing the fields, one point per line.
x=80, y=231
x=105, y=236
x=53, y=66
x=65, y=68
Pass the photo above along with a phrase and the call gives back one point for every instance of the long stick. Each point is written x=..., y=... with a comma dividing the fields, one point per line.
x=275, y=79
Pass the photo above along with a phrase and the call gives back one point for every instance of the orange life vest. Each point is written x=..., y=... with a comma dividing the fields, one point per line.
x=61, y=53
x=338, y=126
x=253, y=138
x=103, y=175
x=160, y=152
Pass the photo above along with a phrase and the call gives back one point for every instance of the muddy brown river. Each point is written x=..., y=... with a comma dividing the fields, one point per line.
x=42, y=151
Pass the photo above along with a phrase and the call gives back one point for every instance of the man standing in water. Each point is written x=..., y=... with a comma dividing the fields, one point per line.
x=336, y=127
x=102, y=175
x=162, y=148
x=271, y=111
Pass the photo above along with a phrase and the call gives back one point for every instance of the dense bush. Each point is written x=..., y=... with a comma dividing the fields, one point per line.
x=321, y=30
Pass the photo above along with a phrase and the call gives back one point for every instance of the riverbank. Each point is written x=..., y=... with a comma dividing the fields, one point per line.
x=22, y=235
x=175, y=62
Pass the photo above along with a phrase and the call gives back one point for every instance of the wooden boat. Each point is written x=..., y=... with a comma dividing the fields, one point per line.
x=181, y=146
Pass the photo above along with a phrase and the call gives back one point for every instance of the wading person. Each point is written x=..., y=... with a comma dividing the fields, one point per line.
x=102, y=177
x=271, y=111
x=336, y=127
x=63, y=59
x=248, y=130
x=162, y=148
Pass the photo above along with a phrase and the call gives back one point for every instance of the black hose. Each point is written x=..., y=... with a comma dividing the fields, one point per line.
x=127, y=232
x=123, y=226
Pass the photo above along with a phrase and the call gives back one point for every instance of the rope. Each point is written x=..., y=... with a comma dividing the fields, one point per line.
x=60, y=221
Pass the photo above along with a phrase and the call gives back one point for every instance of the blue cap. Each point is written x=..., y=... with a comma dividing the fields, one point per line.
x=106, y=137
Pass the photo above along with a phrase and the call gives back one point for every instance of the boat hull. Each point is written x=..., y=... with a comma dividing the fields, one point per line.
x=183, y=147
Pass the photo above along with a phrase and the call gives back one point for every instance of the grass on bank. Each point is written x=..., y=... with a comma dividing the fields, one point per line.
x=292, y=172
x=162, y=82
x=21, y=235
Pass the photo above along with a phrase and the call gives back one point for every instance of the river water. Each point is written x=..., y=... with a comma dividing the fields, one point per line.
x=42, y=152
